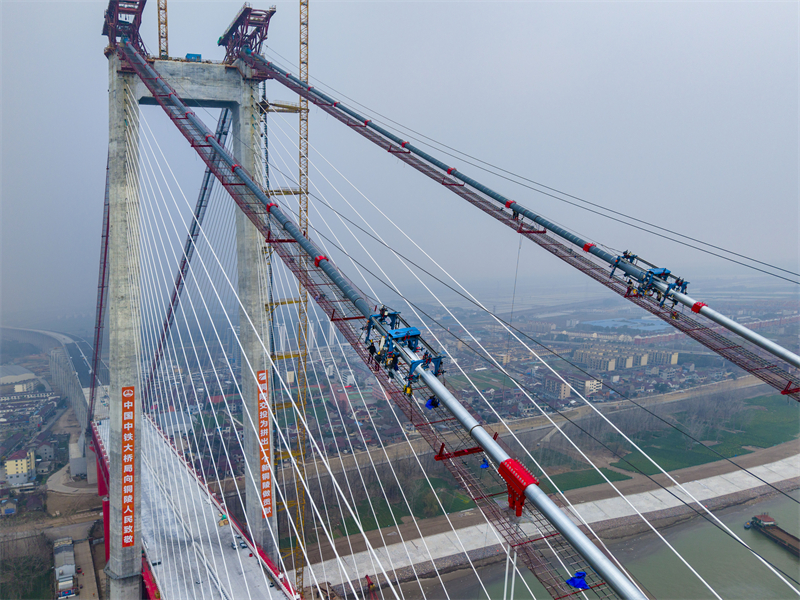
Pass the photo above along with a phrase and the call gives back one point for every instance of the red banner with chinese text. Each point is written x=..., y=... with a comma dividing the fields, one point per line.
x=128, y=461
x=264, y=438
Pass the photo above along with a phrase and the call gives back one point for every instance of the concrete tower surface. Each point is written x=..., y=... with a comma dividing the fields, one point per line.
x=254, y=335
x=125, y=560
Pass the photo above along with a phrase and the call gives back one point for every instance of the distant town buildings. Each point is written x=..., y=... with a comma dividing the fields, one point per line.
x=663, y=358
x=556, y=388
x=595, y=359
x=586, y=386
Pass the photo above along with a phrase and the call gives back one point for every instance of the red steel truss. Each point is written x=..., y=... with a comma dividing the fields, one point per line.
x=122, y=20
x=247, y=30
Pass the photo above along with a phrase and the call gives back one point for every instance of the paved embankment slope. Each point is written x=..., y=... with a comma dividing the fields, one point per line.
x=611, y=517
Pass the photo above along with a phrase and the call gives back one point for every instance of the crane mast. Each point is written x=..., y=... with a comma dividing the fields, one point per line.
x=302, y=305
x=163, y=41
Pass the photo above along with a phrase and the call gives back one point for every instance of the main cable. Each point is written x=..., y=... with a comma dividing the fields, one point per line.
x=551, y=191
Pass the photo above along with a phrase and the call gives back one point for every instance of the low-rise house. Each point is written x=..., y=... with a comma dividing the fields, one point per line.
x=8, y=507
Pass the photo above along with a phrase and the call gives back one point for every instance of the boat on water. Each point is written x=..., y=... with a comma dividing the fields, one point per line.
x=768, y=527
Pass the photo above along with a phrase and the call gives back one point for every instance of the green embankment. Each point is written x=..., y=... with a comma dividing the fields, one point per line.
x=773, y=421
x=420, y=497
x=578, y=479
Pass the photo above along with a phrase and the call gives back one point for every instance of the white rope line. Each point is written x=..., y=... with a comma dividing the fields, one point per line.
x=347, y=438
x=594, y=408
x=413, y=309
x=318, y=322
x=282, y=383
x=131, y=248
x=368, y=283
x=156, y=322
x=430, y=484
x=215, y=372
x=488, y=354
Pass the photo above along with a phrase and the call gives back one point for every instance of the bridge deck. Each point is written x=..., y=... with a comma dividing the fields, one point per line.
x=190, y=555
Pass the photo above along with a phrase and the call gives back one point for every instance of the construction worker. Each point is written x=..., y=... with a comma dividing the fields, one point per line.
x=372, y=350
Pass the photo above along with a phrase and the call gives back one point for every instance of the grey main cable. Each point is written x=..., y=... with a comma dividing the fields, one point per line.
x=630, y=269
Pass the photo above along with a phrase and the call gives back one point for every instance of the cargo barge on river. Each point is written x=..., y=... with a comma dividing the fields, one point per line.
x=767, y=526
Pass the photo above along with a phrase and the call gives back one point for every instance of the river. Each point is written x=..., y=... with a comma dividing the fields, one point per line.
x=731, y=570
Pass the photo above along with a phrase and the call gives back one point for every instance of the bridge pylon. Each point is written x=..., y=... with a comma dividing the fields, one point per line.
x=125, y=416
x=207, y=85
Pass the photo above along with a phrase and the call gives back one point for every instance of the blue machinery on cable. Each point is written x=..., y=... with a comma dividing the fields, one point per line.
x=405, y=342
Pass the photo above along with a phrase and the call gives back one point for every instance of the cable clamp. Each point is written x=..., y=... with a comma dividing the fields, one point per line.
x=233, y=168
x=697, y=306
x=517, y=478
x=209, y=135
x=270, y=205
x=586, y=247
x=509, y=203
x=403, y=145
x=450, y=170
x=318, y=259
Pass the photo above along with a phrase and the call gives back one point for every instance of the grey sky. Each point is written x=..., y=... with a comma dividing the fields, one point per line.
x=681, y=113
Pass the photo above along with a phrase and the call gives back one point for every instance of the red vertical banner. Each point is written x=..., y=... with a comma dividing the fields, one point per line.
x=128, y=460
x=264, y=438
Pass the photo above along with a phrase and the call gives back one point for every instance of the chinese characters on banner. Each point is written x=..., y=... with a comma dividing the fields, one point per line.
x=264, y=434
x=128, y=445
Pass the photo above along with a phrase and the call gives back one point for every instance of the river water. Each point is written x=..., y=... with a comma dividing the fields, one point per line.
x=731, y=570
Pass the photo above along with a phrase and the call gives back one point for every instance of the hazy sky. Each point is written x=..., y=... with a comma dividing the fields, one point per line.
x=680, y=113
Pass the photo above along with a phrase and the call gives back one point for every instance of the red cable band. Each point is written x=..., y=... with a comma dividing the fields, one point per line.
x=516, y=475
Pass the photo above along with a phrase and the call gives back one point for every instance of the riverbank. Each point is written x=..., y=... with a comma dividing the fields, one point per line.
x=723, y=564
x=611, y=518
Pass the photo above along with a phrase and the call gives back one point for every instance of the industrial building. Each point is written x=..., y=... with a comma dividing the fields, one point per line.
x=64, y=556
x=15, y=374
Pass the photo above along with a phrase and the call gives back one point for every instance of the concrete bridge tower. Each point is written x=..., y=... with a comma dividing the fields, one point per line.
x=206, y=85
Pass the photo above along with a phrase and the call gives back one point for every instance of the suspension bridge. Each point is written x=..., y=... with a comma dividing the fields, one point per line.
x=239, y=301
